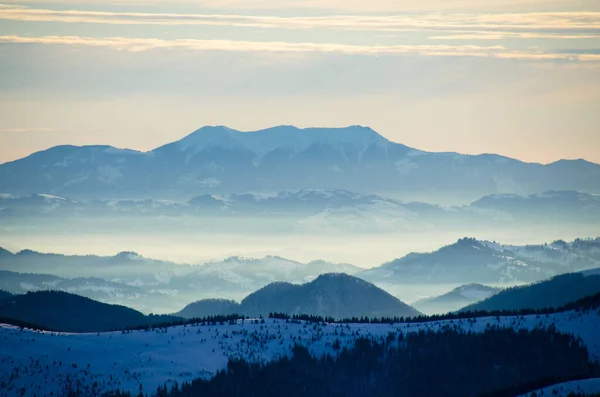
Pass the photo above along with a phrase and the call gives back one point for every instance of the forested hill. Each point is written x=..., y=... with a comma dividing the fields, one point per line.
x=61, y=311
x=551, y=294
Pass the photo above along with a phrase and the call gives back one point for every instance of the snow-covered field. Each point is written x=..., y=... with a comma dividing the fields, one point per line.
x=39, y=363
x=586, y=386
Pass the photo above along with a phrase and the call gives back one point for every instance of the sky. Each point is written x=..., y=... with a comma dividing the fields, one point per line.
x=516, y=77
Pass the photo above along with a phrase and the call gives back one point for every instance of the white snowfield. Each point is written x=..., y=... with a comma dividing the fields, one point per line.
x=41, y=363
x=586, y=386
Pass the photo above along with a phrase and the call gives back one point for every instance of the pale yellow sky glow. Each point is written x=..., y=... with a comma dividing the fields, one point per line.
x=518, y=78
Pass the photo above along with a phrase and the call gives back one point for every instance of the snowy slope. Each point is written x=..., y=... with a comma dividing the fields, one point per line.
x=43, y=360
x=586, y=386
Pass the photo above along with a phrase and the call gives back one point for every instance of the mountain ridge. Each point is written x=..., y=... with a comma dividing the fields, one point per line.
x=279, y=128
x=220, y=159
x=469, y=260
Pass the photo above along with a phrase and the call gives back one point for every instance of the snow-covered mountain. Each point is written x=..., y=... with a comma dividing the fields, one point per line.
x=559, y=206
x=300, y=211
x=455, y=299
x=474, y=261
x=125, y=267
x=271, y=269
x=219, y=159
x=292, y=211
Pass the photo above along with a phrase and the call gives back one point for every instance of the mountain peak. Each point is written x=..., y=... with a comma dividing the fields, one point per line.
x=285, y=137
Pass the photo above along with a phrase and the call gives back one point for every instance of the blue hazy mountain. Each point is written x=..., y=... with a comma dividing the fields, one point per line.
x=152, y=285
x=455, y=299
x=306, y=210
x=474, y=261
x=564, y=206
x=219, y=159
x=329, y=295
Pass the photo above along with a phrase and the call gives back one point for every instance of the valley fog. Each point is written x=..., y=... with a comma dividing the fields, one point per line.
x=365, y=250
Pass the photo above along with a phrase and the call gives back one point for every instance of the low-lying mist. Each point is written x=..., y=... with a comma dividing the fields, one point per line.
x=203, y=240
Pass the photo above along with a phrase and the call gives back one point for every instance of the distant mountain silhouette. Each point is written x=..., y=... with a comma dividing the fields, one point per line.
x=136, y=270
x=61, y=311
x=220, y=159
x=335, y=210
x=455, y=299
x=4, y=295
x=330, y=295
x=475, y=261
x=209, y=307
x=148, y=284
x=554, y=293
x=146, y=299
x=558, y=206
x=124, y=266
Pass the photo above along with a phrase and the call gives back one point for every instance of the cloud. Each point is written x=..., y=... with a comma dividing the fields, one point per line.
x=145, y=44
x=356, y=5
x=490, y=35
x=18, y=130
x=565, y=25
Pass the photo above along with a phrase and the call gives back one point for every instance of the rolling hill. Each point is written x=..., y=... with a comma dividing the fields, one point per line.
x=330, y=295
x=61, y=311
x=209, y=307
x=554, y=293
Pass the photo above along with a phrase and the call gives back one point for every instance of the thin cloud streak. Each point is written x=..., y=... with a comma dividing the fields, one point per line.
x=355, y=5
x=143, y=44
x=18, y=130
x=568, y=25
x=490, y=35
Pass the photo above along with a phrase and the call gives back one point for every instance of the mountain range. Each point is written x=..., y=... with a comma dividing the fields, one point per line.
x=152, y=285
x=145, y=299
x=329, y=295
x=474, y=261
x=558, y=206
x=220, y=159
x=307, y=210
x=158, y=286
